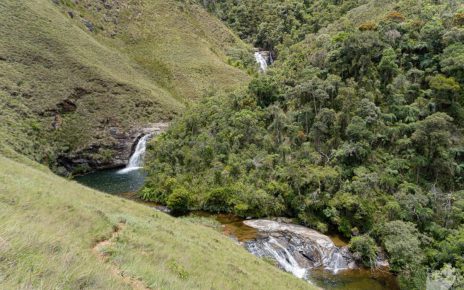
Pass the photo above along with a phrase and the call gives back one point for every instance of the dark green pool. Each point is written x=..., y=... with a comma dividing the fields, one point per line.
x=114, y=182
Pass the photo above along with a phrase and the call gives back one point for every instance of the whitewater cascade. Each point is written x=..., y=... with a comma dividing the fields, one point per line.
x=136, y=160
x=297, y=249
x=261, y=60
x=284, y=258
x=337, y=262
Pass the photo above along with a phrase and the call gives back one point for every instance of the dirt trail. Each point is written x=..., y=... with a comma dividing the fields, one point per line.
x=98, y=251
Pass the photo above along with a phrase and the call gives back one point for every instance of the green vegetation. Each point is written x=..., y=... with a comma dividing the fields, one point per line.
x=177, y=43
x=357, y=127
x=75, y=77
x=178, y=201
x=271, y=24
x=365, y=249
x=50, y=225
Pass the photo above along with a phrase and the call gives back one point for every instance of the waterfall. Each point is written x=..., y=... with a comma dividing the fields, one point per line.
x=298, y=249
x=261, y=60
x=136, y=160
x=337, y=263
x=284, y=258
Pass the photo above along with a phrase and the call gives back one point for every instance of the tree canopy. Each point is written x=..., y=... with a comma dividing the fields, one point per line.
x=357, y=127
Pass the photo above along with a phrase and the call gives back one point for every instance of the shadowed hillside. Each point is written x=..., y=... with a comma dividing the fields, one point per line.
x=79, y=81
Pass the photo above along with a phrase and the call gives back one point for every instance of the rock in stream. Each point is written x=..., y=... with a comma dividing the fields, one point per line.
x=297, y=249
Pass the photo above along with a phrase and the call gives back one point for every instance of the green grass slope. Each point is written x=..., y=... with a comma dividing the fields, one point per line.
x=50, y=225
x=69, y=91
x=46, y=61
x=179, y=44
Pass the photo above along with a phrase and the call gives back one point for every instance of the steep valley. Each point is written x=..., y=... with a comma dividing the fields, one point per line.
x=227, y=144
x=81, y=79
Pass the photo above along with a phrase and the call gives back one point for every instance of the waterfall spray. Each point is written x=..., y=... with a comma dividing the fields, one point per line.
x=261, y=60
x=284, y=258
x=136, y=160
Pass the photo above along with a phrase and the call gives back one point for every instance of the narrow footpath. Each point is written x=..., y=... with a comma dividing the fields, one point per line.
x=99, y=251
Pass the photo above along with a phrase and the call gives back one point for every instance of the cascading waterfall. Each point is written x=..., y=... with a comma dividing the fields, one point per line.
x=337, y=263
x=298, y=249
x=261, y=60
x=136, y=160
x=284, y=258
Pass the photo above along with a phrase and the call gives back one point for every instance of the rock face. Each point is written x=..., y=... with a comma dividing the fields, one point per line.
x=115, y=154
x=89, y=25
x=298, y=249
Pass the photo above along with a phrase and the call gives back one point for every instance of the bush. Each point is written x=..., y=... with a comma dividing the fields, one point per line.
x=459, y=18
x=312, y=221
x=369, y=25
x=414, y=279
x=218, y=199
x=179, y=201
x=396, y=16
x=401, y=241
x=265, y=91
x=258, y=204
x=364, y=249
x=159, y=189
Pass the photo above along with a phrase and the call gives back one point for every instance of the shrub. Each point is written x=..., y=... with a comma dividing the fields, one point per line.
x=401, y=241
x=313, y=222
x=218, y=199
x=369, y=25
x=179, y=201
x=396, y=16
x=459, y=19
x=265, y=91
x=364, y=249
x=258, y=204
x=241, y=209
x=159, y=189
x=178, y=269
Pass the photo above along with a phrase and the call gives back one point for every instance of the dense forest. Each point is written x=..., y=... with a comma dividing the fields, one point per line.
x=356, y=128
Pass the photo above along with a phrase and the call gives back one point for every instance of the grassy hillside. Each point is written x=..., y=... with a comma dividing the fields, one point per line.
x=178, y=43
x=50, y=226
x=80, y=80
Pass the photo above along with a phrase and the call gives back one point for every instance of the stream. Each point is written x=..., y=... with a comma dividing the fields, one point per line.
x=127, y=184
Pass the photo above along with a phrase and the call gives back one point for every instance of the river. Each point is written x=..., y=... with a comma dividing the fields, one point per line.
x=127, y=184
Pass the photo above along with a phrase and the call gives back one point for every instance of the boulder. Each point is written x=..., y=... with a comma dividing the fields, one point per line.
x=300, y=246
x=89, y=25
